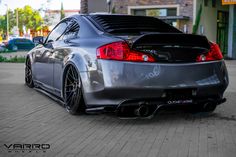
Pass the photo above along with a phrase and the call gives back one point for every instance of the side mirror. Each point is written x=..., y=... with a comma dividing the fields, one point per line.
x=38, y=40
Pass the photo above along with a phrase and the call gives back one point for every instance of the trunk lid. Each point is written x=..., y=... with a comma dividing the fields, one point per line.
x=172, y=47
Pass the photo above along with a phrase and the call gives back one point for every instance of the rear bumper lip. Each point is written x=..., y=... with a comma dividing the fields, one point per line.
x=157, y=104
x=116, y=98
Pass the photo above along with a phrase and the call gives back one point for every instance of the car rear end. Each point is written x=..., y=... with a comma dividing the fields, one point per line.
x=154, y=65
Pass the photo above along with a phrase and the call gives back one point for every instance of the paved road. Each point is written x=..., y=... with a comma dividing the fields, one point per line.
x=28, y=117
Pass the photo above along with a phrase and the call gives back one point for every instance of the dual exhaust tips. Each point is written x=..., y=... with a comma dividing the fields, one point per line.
x=145, y=110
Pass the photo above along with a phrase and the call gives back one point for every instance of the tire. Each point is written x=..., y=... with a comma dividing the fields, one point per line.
x=73, y=97
x=28, y=74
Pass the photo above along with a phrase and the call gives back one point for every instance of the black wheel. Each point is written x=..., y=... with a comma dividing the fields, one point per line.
x=28, y=74
x=73, y=97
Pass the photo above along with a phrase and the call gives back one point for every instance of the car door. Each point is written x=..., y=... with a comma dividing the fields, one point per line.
x=23, y=44
x=17, y=42
x=20, y=43
x=44, y=57
x=28, y=45
x=61, y=51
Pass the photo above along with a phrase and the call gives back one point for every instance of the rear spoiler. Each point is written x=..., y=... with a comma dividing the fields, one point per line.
x=172, y=39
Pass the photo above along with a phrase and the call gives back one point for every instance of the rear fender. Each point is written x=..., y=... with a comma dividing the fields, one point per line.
x=78, y=62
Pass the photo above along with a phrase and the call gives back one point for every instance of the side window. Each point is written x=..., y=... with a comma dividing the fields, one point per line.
x=57, y=32
x=28, y=41
x=17, y=41
x=72, y=32
x=25, y=41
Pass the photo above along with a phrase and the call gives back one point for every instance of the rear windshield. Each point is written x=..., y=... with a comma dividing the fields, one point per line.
x=126, y=24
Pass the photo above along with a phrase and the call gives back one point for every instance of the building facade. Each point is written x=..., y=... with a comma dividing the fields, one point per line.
x=218, y=23
x=210, y=17
x=178, y=14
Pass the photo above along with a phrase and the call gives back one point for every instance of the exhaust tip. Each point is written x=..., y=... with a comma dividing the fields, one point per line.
x=209, y=107
x=142, y=111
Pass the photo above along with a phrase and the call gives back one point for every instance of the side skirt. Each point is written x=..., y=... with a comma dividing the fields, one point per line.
x=52, y=96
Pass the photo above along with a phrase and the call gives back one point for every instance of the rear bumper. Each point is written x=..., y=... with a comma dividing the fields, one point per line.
x=114, y=82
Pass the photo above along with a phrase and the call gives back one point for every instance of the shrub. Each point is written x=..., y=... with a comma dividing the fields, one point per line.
x=15, y=59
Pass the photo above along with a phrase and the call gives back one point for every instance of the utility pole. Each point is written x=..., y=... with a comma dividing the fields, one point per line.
x=7, y=22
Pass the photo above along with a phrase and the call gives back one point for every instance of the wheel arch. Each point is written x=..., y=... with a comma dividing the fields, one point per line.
x=29, y=56
x=79, y=67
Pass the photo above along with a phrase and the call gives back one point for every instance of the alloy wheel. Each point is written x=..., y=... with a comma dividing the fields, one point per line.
x=72, y=90
x=28, y=74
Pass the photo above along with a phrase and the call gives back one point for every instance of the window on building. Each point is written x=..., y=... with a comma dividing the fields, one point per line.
x=155, y=12
x=213, y=3
x=172, y=12
x=139, y=12
x=206, y=3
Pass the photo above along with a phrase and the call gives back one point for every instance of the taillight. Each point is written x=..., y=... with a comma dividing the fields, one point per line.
x=214, y=54
x=120, y=51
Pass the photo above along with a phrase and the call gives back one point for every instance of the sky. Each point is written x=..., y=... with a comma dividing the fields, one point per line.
x=36, y=4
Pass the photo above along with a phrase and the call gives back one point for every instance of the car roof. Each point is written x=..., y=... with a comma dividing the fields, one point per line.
x=14, y=39
x=20, y=38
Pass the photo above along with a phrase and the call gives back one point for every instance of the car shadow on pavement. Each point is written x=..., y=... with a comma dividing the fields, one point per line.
x=164, y=115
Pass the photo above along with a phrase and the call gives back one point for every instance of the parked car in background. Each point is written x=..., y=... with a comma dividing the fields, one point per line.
x=2, y=48
x=19, y=44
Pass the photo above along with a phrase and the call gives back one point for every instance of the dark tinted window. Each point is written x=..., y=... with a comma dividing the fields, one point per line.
x=123, y=24
x=172, y=12
x=73, y=30
x=139, y=12
x=57, y=32
x=22, y=41
x=213, y=3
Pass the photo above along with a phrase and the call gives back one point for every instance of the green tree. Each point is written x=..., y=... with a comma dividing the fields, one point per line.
x=3, y=22
x=3, y=26
x=62, y=11
x=113, y=11
x=27, y=17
